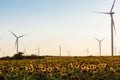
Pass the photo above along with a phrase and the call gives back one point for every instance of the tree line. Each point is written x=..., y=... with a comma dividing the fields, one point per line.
x=21, y=55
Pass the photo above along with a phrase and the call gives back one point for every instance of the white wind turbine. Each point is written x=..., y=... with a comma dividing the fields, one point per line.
x=112, y=26
x=16, y=42
x=99, y=40
x=60, y=49
x=38, y=49
x=68, y=52
x=87, y=50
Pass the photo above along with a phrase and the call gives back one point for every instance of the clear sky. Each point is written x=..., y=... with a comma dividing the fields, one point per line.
x=51, y=23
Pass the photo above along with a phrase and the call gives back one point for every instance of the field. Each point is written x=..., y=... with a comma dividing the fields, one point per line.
x=61, y=68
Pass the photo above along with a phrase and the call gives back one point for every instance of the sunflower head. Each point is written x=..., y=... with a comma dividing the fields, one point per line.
x=49, y=69
x=112, y=69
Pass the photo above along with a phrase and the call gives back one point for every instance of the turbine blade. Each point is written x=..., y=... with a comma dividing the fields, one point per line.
x=102, y=12
x=12, y=33
x=96, y=39
x=22, y=36
x=102, y=39
x=113, y=5
x=115, y=30
x=113, y=24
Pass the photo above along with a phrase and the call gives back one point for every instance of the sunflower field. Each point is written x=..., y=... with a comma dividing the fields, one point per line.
x=61, y=68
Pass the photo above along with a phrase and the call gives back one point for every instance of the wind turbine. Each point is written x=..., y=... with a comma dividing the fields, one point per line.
x=87, y=52
x=17, y=38
x=24, y=50
x=59, y=50
x=38, y=49
x=68, y=53
x=99, y=44
x=112, y=26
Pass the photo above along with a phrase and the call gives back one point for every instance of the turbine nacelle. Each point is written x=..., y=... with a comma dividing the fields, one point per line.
x=112, y=12
x=99, y=40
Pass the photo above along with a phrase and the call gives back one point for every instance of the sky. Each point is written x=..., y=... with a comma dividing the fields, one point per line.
x=71, y=24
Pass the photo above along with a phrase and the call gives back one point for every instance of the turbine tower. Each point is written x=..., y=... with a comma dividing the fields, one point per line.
x=99, y=44
x=24, y=50
x=87, y=52
x=60, y=50
x=38, y=49
x=17, y=38
x=112, y=26
x=68, y=53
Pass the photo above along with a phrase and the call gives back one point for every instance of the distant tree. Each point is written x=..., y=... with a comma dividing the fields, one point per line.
x=33, y=56
x=18, y=56
x=21, y=55
x=7, y=57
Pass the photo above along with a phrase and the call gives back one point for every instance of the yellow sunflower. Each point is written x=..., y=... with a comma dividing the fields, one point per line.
x=40, y=66
x=26, y=68
x=70, y=65
x=49, y=76
x=103, y=65
x=49, y=69
x=112, y=69
x=63, y=69
x=77, y=66
x=0, y=72
x=91, y=66
x=43, y=69
x=11, y=69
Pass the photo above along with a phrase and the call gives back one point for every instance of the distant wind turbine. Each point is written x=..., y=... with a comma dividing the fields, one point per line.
x=24, y=51
x=112, y=26
x=99, y=44
x=68, y=53
x=38, y=49
x=87, y=52
x=59, y=50
x=17, y=38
